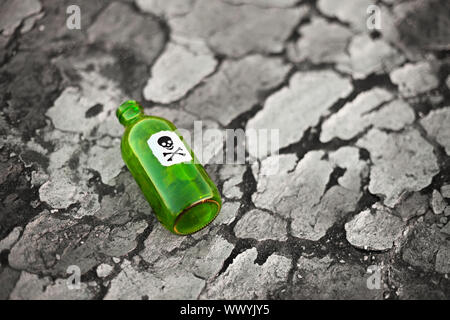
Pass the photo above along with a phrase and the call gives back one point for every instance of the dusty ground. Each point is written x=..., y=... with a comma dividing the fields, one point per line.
x=364, y=161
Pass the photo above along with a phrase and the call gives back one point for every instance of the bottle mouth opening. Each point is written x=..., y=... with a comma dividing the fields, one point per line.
x=128, y=111
x=196, y=217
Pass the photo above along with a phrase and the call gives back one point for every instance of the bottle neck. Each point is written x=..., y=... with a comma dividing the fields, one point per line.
x=129, y=113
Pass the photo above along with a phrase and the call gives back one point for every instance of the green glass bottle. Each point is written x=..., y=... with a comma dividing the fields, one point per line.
x=175, y=184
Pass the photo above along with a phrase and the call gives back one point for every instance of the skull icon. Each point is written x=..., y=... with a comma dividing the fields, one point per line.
x=168, y=148
x=166, y=142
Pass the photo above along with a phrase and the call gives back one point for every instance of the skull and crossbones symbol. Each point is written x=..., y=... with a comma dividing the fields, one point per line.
x=167, y=143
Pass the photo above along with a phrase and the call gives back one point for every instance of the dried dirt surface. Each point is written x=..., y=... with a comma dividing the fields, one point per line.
x=357, y=202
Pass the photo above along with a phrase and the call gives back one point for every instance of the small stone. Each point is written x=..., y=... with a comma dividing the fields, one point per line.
x=438, y=203
x=415, y=79
x=116, y=260
x=373, y=108
x=348, y=158
x=374, y=231
x=35, y=203
x=445, y=191
x=412, y=204
x=232, y=175
x=350, y=11
x=308, y=97
x=235, y=87
x=402, y=162
x=227, y=213
x=368, y=56
x=260, y=225
x=181, y=67
x=446, y=229
x=104, y=270
x=321, y=42
x=443, y=259
x=447, y=211
x=231, y=191
x=436, y=126
x=11, y=239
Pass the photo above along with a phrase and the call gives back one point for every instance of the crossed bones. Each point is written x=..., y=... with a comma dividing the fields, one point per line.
x=173, y=154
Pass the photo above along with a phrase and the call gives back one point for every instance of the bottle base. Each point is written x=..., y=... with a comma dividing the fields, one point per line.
x=196, y=217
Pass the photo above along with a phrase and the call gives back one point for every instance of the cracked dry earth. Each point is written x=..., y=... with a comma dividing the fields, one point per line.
x=362, y=174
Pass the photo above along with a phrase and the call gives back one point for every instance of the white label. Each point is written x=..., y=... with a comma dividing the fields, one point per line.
x=168, y=148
